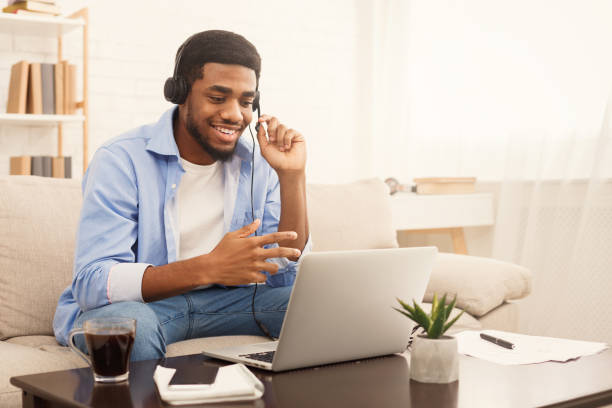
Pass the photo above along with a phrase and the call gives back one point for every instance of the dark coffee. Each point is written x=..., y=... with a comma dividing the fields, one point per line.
x=110, y=351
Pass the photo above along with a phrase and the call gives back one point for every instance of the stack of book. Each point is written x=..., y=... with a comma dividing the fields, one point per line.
x=42, y=88
x=32, y=7
x=45, y=166
x=445, y=185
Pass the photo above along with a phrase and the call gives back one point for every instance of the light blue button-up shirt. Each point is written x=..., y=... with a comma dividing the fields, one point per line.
x=128, y=218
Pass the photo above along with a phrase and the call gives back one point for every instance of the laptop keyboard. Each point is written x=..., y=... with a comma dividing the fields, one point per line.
x=265, y=356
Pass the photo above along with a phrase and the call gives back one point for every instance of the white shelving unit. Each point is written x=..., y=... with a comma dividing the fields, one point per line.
x=38, y=120
x=50, y=27
x=43, y=26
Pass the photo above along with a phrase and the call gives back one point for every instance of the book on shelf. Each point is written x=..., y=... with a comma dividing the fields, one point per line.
x=42, y=88
x=445, y=185
x=47, y=166
x=70, y=77
x=33, y=6
x=44, y=166
x=22, y=12
x=48, y=88
x=57, y=167
x=21, y=165
x=18, y=88
x=37, y=166
x=58, y=72
x=67, y=167
x=35, y=104
x=40, y=1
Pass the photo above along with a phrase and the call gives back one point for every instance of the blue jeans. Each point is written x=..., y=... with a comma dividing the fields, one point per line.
x=215, y=311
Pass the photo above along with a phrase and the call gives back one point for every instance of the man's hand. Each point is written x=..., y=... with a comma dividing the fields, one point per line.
x=238, y=258
x=284, y=149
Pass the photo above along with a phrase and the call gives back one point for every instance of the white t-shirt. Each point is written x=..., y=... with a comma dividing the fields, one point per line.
x=200, y=209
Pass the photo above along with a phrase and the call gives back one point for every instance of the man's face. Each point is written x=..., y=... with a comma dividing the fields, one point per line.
x=219, y=107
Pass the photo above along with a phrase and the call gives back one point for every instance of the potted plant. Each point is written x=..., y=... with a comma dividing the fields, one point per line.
x=434, y=357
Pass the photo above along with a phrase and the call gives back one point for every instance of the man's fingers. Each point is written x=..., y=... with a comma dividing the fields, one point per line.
x=290, y=137
x=248, y=229
x=268, y=267
x=281, y=131
x=258, y=277
x=281, y=252
x=272, y=125
x=275, y=237
x=261, y=136
x=278, y=134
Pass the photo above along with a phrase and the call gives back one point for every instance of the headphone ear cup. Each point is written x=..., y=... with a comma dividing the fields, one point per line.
x=170, y=90
x=182, y=89
x=176, y=90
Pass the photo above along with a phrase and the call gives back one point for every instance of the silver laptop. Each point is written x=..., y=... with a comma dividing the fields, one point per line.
x=341, y=309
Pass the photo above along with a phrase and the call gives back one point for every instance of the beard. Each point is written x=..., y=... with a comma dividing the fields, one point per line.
x=216, y=154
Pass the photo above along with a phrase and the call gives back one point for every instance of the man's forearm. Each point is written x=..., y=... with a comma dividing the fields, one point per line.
x=238, y=259
x=294, y=216
x=160, y=282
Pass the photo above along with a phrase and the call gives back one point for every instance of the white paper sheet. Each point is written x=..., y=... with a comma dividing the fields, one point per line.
x=527, y=349
x=233, y=383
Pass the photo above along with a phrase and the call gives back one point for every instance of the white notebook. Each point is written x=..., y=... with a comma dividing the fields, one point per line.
x=527, y=349
x=233, y=383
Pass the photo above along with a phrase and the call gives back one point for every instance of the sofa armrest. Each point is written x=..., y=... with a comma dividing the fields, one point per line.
x=481, y=284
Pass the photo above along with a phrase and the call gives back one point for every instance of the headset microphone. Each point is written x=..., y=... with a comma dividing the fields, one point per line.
x=256, y=108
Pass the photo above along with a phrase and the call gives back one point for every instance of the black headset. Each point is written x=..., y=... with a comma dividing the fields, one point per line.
x=176, y=87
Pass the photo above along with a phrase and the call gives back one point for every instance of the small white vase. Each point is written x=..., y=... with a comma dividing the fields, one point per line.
x=434, y=360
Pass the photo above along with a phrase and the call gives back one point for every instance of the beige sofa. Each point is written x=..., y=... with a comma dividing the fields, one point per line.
x=38, y=219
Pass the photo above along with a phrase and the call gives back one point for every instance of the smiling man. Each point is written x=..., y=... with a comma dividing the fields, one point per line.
x=183, y=218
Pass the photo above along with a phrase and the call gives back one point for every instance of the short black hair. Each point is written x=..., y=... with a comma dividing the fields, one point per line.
x=219, y=46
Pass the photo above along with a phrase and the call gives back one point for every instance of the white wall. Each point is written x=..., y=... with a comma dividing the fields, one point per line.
x=482, y=74
x=309, y=51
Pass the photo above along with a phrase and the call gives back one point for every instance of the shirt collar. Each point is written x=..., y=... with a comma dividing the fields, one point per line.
x=162, y=140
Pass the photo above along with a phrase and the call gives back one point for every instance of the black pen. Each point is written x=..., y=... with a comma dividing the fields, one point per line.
x=499, y=342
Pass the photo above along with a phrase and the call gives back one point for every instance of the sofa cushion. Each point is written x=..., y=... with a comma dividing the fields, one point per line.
x=350, y=216
x=18, y=360
x=504, y=317
x=39, y=218
x=195, y=346
x=481, y=284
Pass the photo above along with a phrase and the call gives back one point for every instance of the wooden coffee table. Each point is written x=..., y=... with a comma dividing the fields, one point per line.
x=379, y=382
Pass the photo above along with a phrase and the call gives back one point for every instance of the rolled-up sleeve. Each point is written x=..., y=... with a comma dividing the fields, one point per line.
x=104, y=269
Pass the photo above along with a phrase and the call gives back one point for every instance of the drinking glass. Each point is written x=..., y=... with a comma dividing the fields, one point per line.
x=109, y=342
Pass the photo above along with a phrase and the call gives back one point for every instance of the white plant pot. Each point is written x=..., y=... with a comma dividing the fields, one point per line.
x=434, y=360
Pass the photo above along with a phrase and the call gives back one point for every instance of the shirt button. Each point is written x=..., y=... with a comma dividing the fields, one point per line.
x=174, y=186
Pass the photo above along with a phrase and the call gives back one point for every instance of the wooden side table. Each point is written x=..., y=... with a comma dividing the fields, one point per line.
x=442, y=213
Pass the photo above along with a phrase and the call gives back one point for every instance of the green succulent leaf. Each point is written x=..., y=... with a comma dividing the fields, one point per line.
x=435, y=330
x=442, y=308
x=434, y=306
x=436, y=323
x=418, y=319
x=450, y=307
x=407, y=314
x=449, y=324
x=426, y=320
x=406, y=306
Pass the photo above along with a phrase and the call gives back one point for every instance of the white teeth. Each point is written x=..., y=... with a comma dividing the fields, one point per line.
x=225, y=131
